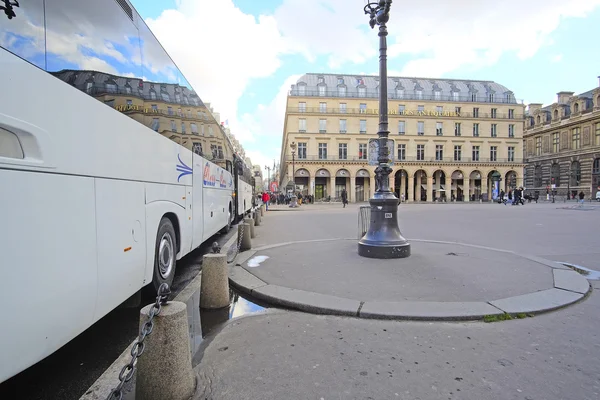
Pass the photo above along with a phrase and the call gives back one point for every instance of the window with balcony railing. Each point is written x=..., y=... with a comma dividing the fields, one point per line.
x=511, y=154
x=322, y=151
x=475, y=153
x=511, y=113
x=322, y=126
x=302, y=151
x=173, y=126
x=363, y=126
x=494, y=130
x=302, y=125
x=493, y=153
x=475, y=130
x=155, y=124
x=401, y=127
x=362, y=151
x=343, y=151
x=342, y=126
x=420, y=152
x=439, y=152
x=439, y=129
x=457, y=152
x=420, y=128
x=476, y=112
x=494, y=112
x=511, y=130
x=401, y=152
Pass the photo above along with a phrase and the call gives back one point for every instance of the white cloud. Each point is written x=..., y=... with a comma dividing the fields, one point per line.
x=266, y=127
x=557, y=58
x=219, y=57
x=444, y=35
x=334, y=28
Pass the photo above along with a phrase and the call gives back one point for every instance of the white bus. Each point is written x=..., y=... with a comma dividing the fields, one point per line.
x=244, y=187
x=100, y=192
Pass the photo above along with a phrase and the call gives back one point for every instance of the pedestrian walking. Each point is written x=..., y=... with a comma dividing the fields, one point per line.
x=265, y=199
x=344, y=197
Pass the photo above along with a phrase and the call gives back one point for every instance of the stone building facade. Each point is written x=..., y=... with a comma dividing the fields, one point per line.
x=449, y=137
x=562, y=148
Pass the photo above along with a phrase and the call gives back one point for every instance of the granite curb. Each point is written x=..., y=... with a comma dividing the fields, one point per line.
x=569, y=288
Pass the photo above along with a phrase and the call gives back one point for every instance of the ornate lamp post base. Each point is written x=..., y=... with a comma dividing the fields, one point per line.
x=384, y=239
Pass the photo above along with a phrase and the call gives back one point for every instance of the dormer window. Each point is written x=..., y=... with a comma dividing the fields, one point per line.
x=437, y=95
x=575, y=108
x=164, y=95
x=455, y=96
x=111, y=86
x=491, y=97
x=321, y=79
x=419, y=94
x=152, y=94
x=340, y=81
x=322, y=90
x=400, y=93
x=301, y=89
x=539, y=119
x=555, y=114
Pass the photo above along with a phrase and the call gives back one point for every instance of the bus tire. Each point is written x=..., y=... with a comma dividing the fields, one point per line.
x=229, y=220
x=165, y=255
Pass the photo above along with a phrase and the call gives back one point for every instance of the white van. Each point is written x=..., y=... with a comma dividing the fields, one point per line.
x=598, y=195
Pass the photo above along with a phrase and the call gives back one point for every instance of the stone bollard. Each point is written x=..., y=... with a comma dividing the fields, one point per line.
x=246, y=243
x=164, y=371
x=214, y=287
x=262, y=210
x=257, y=218
x=250, y=221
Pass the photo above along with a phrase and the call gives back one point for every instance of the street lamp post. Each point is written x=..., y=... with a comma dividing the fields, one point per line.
x=383, y=239
x=293, y=147
x=268, y=177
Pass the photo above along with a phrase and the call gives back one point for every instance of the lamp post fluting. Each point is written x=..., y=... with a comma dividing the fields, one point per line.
x=383, y=238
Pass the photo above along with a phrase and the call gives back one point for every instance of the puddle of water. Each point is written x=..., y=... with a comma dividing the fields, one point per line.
x=238, y=306
x=588, y=273
x=255, y=261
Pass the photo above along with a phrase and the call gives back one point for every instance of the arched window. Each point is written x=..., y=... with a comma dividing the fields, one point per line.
x=575, y=174
x=596, y=166
x=555, y=174
x=539, y=119
x=537, y=177
x=555, y=114
x=576, y=107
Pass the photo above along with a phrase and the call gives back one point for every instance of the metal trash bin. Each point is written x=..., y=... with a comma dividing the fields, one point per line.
x=364, y=220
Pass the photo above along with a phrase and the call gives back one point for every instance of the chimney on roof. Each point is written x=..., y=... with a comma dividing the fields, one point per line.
x=563, y=97
x=533, y=107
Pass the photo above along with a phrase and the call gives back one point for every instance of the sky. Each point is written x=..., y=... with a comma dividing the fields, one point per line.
x=242, y=56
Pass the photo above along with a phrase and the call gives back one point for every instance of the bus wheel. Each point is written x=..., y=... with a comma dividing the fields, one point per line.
x=165, y=254
x=229, y=220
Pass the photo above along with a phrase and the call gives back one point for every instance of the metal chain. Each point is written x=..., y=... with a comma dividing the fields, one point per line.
x=239, y=244
x=138, y=347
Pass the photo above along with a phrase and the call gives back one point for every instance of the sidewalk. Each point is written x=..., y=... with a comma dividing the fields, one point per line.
x=294, y=355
